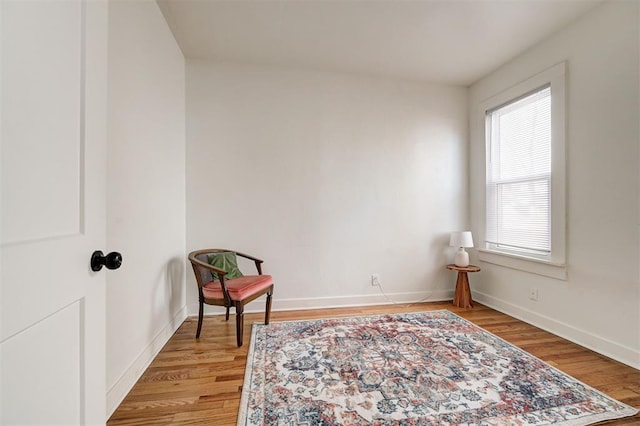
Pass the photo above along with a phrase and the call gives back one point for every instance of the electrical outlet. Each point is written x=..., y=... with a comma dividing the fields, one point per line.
x=533, y=293
x=375, y=280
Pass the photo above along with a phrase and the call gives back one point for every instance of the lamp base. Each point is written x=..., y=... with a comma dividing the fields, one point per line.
x=462, y=258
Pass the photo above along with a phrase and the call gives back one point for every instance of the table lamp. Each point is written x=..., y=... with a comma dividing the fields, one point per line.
x=461, y=240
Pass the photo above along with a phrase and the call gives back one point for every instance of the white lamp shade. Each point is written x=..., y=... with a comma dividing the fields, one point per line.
x=461, y=239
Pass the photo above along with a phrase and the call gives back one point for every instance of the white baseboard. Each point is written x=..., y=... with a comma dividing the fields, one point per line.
x=584, y=338
x=336, y=301
x=117, y=392
x=362, y=300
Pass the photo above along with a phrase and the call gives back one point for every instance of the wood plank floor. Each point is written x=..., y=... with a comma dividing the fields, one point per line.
x=199, y=382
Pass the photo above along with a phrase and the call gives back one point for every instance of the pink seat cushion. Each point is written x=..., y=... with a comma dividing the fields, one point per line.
x=238, y=288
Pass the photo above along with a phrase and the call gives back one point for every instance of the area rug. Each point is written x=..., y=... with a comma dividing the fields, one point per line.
x=427, y=368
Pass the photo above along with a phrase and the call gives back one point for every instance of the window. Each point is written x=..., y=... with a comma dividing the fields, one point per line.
x=518, y=190
x=524, y=194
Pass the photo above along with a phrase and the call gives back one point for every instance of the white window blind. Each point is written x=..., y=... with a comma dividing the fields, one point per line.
x=518, y=193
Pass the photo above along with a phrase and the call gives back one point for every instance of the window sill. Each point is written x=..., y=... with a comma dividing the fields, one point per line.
x=523, y=263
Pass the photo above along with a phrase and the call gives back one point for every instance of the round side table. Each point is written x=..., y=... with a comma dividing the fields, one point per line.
x=462, y=297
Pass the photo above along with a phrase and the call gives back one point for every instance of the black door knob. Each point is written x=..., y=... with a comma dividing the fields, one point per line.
x=112, y=261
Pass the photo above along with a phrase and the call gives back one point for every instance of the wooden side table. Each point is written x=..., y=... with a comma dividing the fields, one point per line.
x=462, y=297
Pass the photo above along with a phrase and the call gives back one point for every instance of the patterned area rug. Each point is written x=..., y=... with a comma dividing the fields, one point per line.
x=427, y=368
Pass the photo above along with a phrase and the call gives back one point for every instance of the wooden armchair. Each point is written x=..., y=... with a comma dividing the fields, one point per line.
x=215, y=289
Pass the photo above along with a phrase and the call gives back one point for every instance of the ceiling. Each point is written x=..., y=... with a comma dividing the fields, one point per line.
x=439, y=41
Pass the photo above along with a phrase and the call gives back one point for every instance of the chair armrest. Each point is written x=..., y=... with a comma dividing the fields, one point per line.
x=257, y=261
x=247, y=256
x=194, y=260
x=199, y=262
x=221, y=272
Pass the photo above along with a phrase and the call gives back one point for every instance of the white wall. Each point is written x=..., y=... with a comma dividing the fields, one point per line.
x=329, y=178
x=599, y=304
x=146, y=191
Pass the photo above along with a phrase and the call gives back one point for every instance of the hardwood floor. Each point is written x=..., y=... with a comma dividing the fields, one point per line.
x=199, y=382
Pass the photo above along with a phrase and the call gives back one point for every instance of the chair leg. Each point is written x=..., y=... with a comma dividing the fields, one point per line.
x=227, y=316
x=239, y=323
x=267, y=311
x=200, y=314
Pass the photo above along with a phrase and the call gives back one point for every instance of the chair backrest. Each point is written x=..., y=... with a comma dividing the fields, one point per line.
x=203, y=275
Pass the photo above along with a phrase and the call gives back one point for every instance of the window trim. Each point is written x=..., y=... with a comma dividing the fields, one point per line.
x=553, y=265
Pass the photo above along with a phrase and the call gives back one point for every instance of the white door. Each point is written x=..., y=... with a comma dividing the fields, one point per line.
x=53, y=138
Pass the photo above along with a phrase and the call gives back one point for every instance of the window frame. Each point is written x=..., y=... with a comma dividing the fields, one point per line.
x=554, y=264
